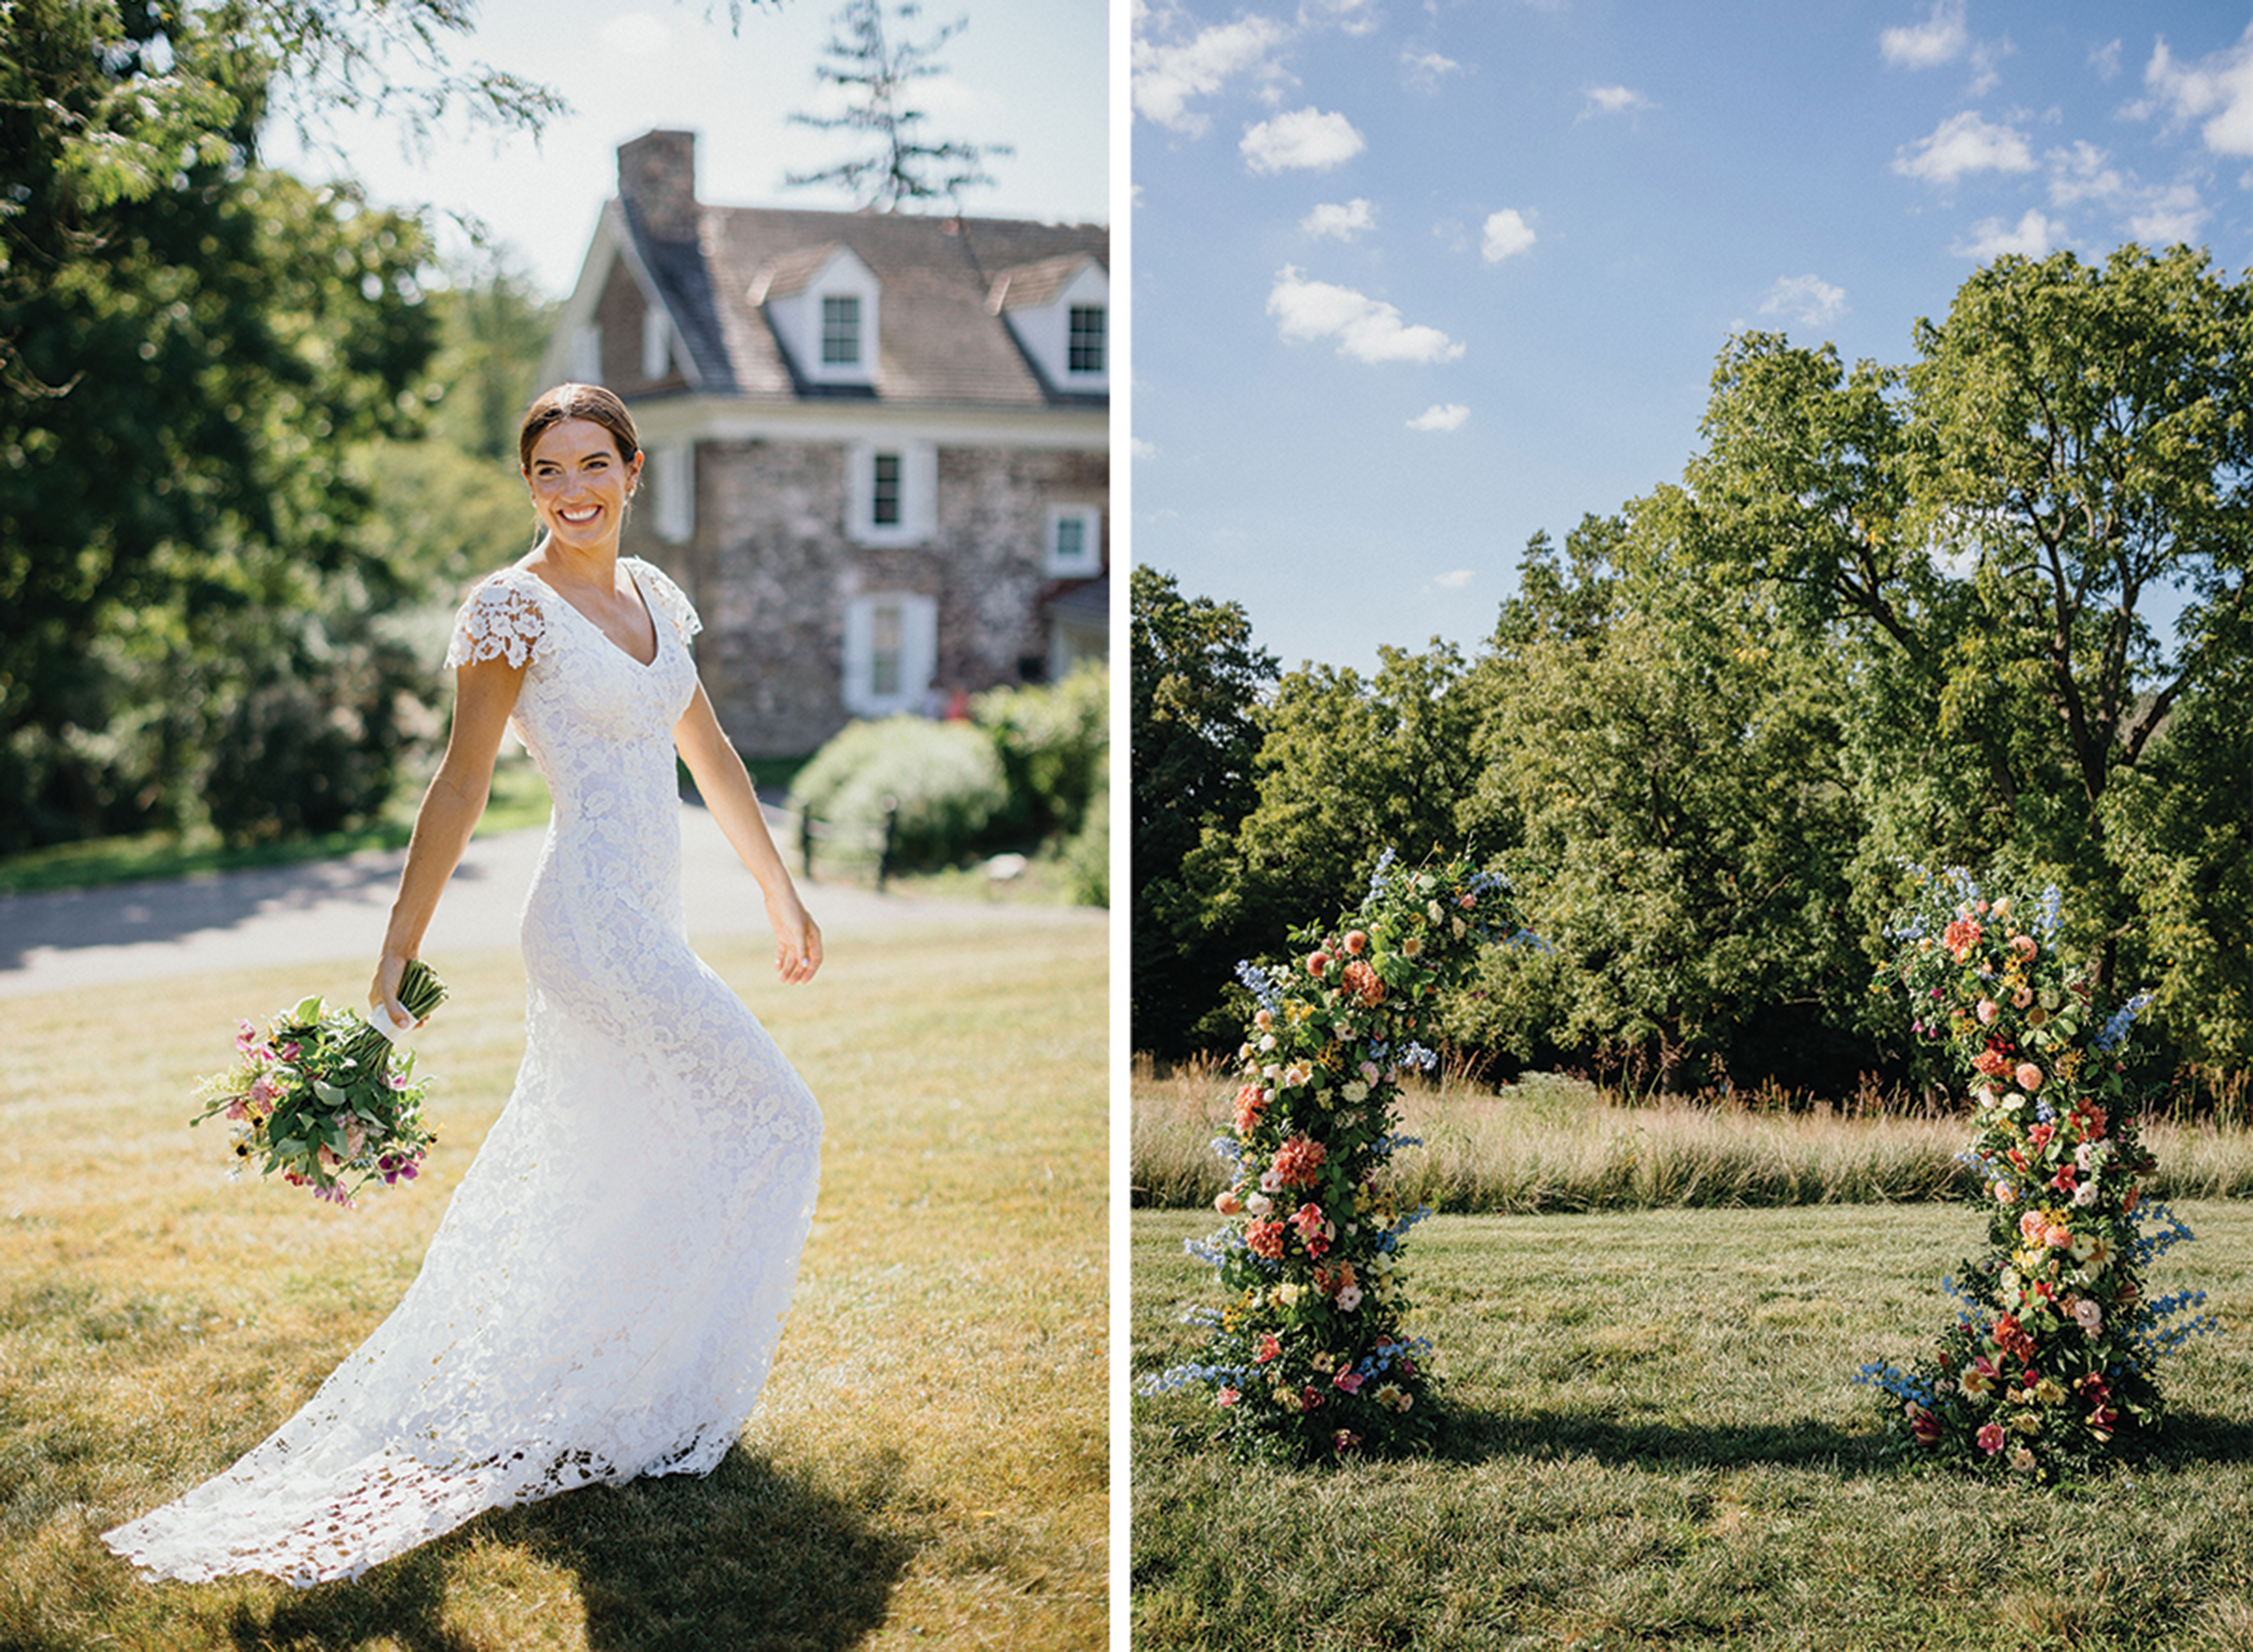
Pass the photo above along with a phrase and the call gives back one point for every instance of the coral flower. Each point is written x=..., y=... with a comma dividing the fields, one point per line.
x=1960, y=937
x=1361, y=981
x=2029, y=1076
x=1357, y=941
x=1269, y=1348
x=1265, y=1238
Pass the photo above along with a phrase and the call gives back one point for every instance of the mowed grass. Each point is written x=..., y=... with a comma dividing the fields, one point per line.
x=1553, y=1144
x=1656, y=1443
x=926, y=1465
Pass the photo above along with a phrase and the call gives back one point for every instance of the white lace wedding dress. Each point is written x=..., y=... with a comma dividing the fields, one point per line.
x=604, y=1296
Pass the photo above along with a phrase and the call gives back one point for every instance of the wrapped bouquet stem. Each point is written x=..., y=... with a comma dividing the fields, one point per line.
x=324, y=1098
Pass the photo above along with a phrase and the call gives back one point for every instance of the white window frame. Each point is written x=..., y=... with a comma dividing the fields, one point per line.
x=918, y=617
x=856, y=336
x=796, y=318
x=656, y=341
x=587, y=353
x=673, y=475
x=918, y=494
x=1090, y=375
x=1045, y=331
x=1089, y=562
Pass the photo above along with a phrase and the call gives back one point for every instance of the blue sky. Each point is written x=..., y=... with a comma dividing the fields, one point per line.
x=1030, y=74
x=1416, y=278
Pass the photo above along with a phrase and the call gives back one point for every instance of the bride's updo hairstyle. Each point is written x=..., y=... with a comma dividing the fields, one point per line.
x=590, y=402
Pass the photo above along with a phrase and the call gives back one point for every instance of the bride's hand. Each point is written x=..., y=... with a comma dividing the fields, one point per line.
x=383, y=992
x=797, y=938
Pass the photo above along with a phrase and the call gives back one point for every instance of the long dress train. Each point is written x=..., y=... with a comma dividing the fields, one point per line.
x=604, y=1294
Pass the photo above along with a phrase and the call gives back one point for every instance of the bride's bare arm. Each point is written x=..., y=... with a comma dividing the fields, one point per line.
x=484, y=694
x=725, y=788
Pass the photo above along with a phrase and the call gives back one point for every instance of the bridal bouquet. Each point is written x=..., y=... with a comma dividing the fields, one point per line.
x=324, y=1098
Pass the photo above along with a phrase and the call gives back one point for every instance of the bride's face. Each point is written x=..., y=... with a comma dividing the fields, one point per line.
x=579, y=483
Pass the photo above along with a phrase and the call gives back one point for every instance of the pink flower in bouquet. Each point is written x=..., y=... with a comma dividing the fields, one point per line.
x=1271, y=1180
x=1265, y=1020
x=1227, y=1396
x=2025, y=945
x=1348, y=1379
x=1309, y=1221
x=1308, y=1397
x=2039, y=1136
x=1990, y=1438
x=1269, y=1348
x=1344, y=1440
x=2057, y=1236
x=2022, y=998
x=2087, y=1314
x=1980, y=1377
x=1258, y=1204
x=2029, y=1076
x=1317, y=962
x=1960, y=937
x=1349, y=1299
x=1362, y=981
x=246, y=1038
x=1265, y=1238
x=2005, y=1193
x=2022, y=1459
x=1988, y=1009
x=1229, y=1204
x=1369, y=1071
x=1357, y=941
x=1922, y=1426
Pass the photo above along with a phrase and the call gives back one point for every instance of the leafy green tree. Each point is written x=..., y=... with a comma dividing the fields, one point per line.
x=1672, y=762
x=1195, y=685
x=1995, y=528
x=876, y=71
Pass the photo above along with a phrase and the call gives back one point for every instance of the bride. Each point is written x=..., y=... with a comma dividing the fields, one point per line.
x=604, y=1297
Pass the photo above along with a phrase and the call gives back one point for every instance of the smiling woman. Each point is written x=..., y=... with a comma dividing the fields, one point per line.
x=604, y=1295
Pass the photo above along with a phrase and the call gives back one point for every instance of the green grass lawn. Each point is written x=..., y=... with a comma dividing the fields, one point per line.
x=926, y=1467
x=1656, y=1443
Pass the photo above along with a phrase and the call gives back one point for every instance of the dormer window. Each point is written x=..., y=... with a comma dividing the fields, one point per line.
x=1083, y=340
x=1059, y=312
x=840, y=330
x=825, y=306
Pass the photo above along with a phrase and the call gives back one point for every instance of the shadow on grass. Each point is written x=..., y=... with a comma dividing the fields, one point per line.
x=1472, y=1436
x=746, y=1558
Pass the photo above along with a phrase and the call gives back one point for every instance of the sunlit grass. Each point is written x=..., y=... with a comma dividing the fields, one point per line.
x=1655, y=1442
x=926, y=1465
x=1551, y=1143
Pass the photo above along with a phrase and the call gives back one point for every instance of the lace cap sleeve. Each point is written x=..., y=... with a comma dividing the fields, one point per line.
x=503, y=619
x=669, y=601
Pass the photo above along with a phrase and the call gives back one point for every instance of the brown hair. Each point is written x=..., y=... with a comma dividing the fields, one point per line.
x=590, y=402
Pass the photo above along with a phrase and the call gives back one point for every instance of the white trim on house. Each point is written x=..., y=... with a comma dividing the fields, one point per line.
x=891, y=492
x=1072, y=545
x=701, y=418
x=890, y=652
x=656, y=339
x=1044, y=331
x=802, y=326
x=673, y=478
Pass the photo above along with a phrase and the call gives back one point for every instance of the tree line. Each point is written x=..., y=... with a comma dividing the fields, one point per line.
x=1988, y=607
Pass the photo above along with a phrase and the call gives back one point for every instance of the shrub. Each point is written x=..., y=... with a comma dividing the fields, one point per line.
x=1087, y=851
x=1051, y=740
x=944, y=777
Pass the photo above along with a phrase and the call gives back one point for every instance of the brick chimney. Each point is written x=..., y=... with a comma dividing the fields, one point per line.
x=658, y=176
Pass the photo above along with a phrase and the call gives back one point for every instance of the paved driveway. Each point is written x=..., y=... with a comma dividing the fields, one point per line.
x=326, y=909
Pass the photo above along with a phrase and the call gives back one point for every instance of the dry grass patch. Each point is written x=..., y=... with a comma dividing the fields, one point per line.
x=925, y=1466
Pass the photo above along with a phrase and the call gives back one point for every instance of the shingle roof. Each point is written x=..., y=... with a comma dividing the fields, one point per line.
x=938, y=340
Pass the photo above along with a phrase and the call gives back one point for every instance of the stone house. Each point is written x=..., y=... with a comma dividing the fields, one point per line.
x=878, y=445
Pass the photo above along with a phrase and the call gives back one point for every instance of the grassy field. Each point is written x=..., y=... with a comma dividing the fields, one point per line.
x=928, y=1463
x=1549, y=1143
x=1657, y=1445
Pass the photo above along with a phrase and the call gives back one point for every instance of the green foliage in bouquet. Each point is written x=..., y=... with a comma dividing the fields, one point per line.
x=2053, y=1358
x=1308, y=1357
x=322, y=1097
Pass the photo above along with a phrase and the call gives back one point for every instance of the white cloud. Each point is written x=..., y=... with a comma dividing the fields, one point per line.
x=1807, y=299
x=1355, y=17
x=1366, y=328
x=1443, y=416
x=1344, y=222
x=2105, y=59
x=2168, y=216
x=1613, y=101
x=1422, y=71
x=1166, y=77
x=1454, y=579
x=1304, y=140
x=2032, y=236
x=1142, y=449
x=2082, y=172
x=2217, y=89
x=1940, y=38
x=1962, y=144
x=1507, y=234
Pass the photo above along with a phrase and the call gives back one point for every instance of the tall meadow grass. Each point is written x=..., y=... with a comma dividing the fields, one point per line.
x=1551, y=1143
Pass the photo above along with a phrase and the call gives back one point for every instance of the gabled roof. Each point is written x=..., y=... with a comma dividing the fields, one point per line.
x=938, y=341
x=1029, y=286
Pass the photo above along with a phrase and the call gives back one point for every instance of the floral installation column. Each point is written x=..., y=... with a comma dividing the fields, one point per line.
x=2053, y=1356
x=1307, y=1357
